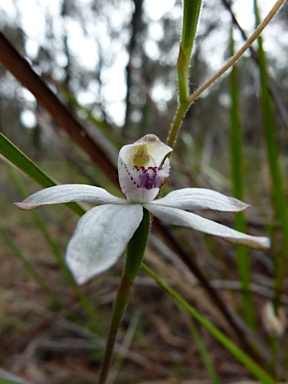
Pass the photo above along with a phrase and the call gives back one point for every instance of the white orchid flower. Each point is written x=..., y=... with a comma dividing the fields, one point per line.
x=103, y=233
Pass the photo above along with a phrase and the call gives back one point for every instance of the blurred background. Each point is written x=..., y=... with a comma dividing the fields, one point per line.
x=113, y=64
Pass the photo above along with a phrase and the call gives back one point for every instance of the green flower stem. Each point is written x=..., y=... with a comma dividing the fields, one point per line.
x=177, y=122
x=245, y=359
x=191, y=13
x=134, y=256
x=185, y=104
x=120, y=303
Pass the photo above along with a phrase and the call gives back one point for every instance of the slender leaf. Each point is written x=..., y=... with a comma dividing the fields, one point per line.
x=249, y=363
x=237, y=178
x=41, y=224
x=8, y=381
x=278, y=197
x=26, y=165
x=204, y=355
x=30, y=268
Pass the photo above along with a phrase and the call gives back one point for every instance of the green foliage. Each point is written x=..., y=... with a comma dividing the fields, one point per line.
x=191, y=13
x=278, y=195
x=238, y=186
x=26, y=165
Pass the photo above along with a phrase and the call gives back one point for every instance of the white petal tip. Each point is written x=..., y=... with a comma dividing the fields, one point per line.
x=255, y=242
x=79, y=271
x=261, y=243
x=26, y=207
x=82, y=272
x=80, y=279
x=239, y=205
x=266, y=243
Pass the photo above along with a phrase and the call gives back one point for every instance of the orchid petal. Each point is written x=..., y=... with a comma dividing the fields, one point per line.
x=100, y=238
x=195, y=198
x=177, y=216
x=66, y=193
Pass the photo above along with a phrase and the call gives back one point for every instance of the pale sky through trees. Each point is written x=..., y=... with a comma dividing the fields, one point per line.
x=89, y=38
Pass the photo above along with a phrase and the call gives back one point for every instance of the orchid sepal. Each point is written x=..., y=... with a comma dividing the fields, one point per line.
x=179, y=217
x=201, y=198
x=67, y=193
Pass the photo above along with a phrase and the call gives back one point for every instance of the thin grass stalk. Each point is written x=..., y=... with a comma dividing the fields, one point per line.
x=245, y=359
x=12, y=381
x=210, y=369
x=183, y=107
x=273, y=88
x=86, y=304
x=237, y=55
x=26, y=165
x=278, y=194
x=30, y=269
x=41, y=224
x=242, y=253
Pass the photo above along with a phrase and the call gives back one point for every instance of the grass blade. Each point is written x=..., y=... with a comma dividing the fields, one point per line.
x=30, y=269
x=85, y=302
x=246, y=360
x=278, y=195
x=21, y=161
x=205, y=355
x=237, y=181
x=26, y=165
